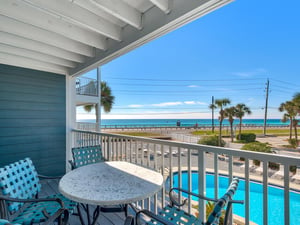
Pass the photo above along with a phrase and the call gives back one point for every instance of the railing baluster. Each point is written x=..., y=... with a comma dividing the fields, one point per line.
x=155, y=157
x=216, y=173
x=171, y=167
x=247, y=192
x=179, y=171
x=148, y=155
x=189, y=165
x=286, y=195
x=163, y=174
x=265, y=192
x=201, y=183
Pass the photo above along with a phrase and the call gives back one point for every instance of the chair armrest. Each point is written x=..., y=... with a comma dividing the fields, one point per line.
x=175, y=202
x=49, y=177
x=72, y=164
x=6, y=198
x=150, y=214
x=129, y=220
x=61, y=214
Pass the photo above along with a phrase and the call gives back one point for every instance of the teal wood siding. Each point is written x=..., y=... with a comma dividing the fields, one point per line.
x=33, y=118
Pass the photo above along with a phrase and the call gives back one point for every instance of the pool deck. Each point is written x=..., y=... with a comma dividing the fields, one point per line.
x=253, y=177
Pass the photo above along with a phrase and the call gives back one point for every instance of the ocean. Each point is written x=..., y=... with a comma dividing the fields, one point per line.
x=106, y=123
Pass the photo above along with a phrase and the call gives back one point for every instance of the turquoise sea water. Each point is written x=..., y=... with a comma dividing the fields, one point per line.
x=183, y=122
x=275, y=199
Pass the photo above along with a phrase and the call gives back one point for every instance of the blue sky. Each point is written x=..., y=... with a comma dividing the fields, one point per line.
x=229, y=53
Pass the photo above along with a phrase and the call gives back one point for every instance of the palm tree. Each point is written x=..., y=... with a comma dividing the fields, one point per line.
x=213, y=106
x=107, y=100
x=230, y=114
x=220, y=103
x=296, y=100
x=241, y=110
x=291, y=110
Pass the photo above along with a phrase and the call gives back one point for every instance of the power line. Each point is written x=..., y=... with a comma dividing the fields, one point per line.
x=281, y=81
x=183, y=85
x=155, y=91
x=151, y=79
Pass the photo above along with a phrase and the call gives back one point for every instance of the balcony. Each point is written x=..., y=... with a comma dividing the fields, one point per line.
x=182, y=159
x=86, y=86
x=87, y=91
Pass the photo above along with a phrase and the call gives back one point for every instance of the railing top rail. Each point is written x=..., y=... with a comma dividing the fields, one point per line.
x=283, y=159
x=86, y=78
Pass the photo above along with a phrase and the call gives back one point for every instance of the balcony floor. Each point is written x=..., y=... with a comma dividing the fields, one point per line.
x=51, y=187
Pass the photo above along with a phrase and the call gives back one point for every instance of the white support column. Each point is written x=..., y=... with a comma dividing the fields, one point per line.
x=98, y=110
x=70, y=116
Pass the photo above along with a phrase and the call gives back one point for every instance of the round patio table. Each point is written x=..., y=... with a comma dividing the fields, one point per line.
x=110, y=183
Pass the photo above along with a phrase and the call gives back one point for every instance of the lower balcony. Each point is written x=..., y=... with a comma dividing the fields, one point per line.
x=271, y=197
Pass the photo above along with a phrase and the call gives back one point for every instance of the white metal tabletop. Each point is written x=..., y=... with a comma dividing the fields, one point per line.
x=110, y=183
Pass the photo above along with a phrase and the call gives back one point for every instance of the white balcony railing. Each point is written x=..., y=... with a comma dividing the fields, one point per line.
x=86, y=86
x=168, y=157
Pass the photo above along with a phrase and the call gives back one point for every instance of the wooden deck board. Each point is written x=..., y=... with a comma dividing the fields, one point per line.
x=50, y=187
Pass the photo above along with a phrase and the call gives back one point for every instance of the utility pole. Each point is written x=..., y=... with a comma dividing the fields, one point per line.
x=212, y=114
x=266, y=107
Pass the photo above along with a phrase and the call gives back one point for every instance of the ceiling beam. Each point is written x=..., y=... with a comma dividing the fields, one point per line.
x=26, y=13
x=20, y=42
x=164, y=5
x=35, y=55
x=155, y=24
x=74, y=13
x=122, y=11
x=34, y=33
x=89, y=5
x=20, y=61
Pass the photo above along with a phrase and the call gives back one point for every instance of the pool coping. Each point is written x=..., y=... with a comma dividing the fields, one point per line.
x=253, y=177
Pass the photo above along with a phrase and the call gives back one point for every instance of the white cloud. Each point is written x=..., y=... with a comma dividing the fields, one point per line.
x=190, y=103
x=202, y=103
x=255, y=72
x=193, y=86
x=194, y=103
x=167, y=104
x=135, y=106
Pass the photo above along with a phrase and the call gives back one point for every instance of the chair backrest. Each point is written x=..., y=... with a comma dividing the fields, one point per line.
x=19, y=180
x=220, y=205
x=6, y=222
x=87, y=155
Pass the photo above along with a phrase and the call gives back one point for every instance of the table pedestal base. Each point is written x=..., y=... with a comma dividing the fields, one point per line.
x=91, y=219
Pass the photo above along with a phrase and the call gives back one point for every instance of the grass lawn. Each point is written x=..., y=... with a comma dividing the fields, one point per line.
x=226, y=132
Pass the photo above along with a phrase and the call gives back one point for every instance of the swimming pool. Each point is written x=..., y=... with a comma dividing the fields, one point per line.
x=275, y=200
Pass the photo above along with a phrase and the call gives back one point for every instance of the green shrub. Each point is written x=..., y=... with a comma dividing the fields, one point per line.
x=274, y=166
x=211, y=140
x=293, y=142
x=246, y=137
x=256, y=162
x=293, y=169
x=258, y=147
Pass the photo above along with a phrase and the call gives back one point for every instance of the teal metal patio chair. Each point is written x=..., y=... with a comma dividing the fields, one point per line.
x=88, y=155
x=61, y=215
x=19, y=200
x=174, y=214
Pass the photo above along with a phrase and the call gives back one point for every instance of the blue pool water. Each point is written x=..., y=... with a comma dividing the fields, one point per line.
x=275, y=199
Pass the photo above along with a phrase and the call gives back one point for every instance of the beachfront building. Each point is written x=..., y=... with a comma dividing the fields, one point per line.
x=46, y=45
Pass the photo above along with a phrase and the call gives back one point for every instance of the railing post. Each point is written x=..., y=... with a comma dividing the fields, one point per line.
x=202, y=184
